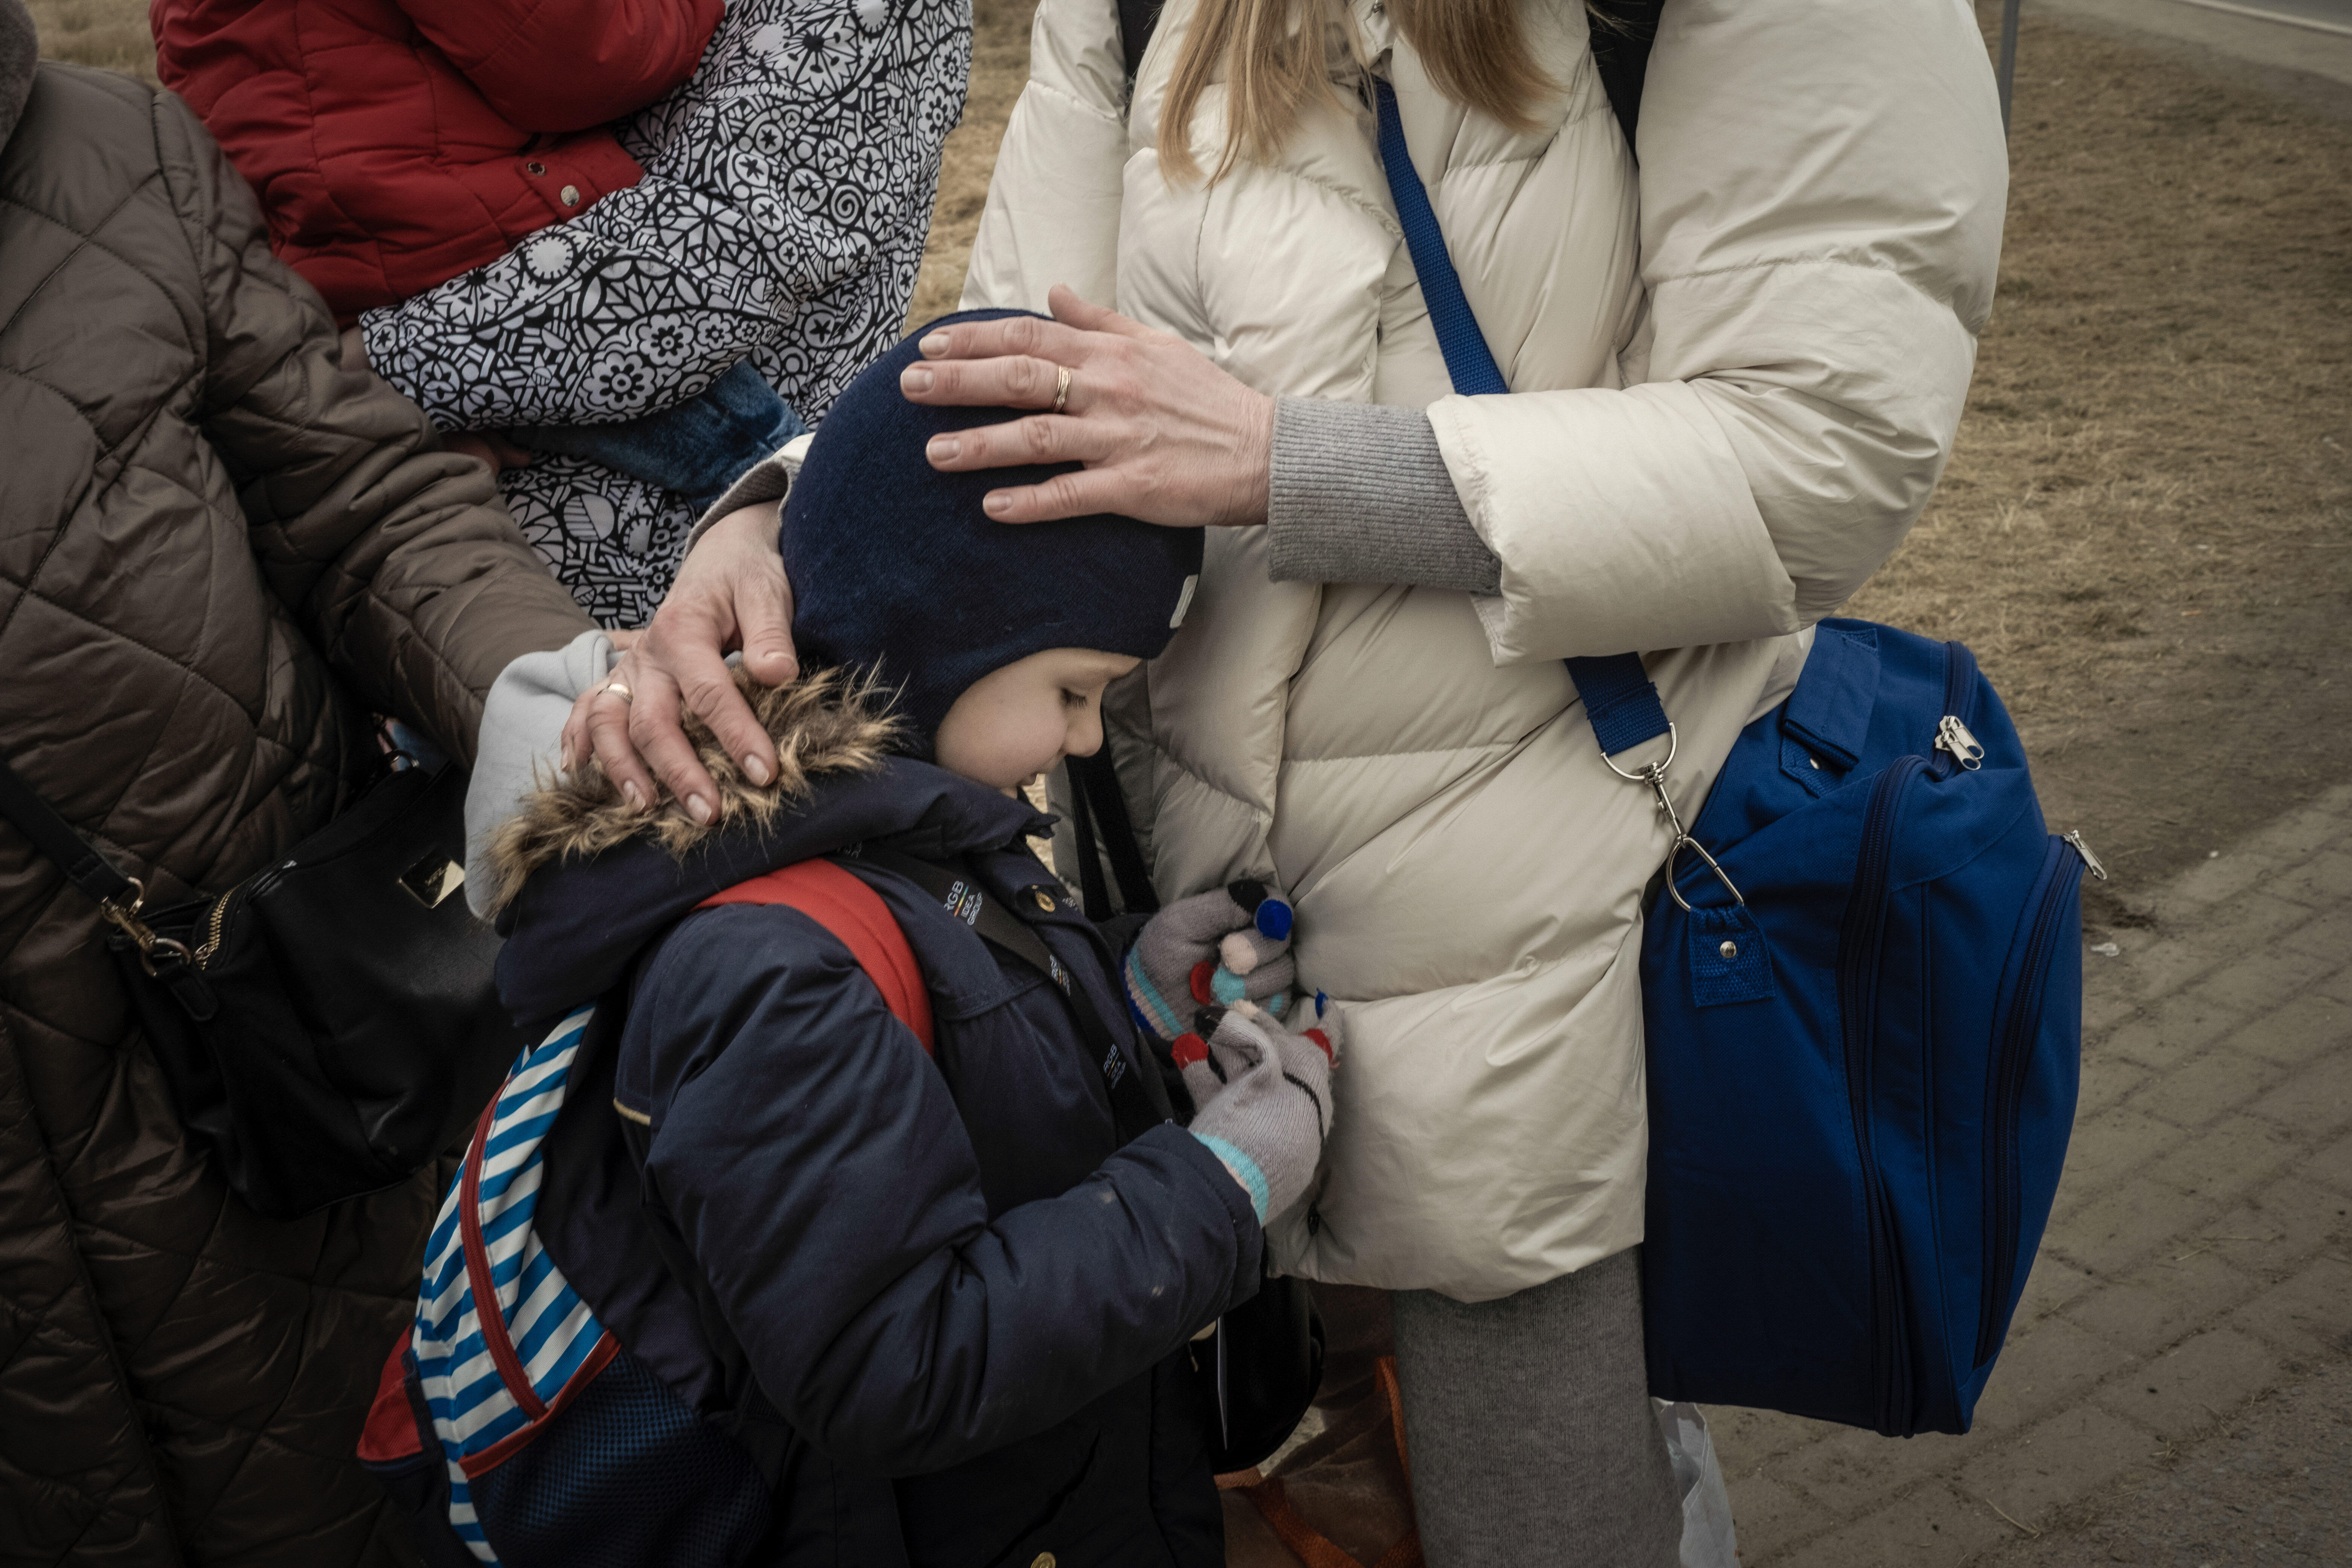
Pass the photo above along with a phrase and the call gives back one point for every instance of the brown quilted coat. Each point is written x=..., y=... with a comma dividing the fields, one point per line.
x=218, y=551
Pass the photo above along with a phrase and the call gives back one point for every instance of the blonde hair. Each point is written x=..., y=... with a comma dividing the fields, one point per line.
x=1476, y=51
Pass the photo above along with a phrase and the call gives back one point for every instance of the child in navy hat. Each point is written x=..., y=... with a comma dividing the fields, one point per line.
x=893, y=565
x=938, y=1294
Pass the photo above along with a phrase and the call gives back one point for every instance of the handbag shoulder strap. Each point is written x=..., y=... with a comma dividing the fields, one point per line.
x=1468, y=360
x=54, y=836
x=1620, y=702
x=857, y=916
x=119, y=897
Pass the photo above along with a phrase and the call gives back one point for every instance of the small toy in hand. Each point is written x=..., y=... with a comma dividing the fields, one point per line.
x=1265, y=1097
x=1221, y=948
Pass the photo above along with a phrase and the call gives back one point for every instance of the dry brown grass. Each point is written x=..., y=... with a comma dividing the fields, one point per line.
x=109, y=33
x=1000, y=65
x=2144, y=531
x=2157, y=427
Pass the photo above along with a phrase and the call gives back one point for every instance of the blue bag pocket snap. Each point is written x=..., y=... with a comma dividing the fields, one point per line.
x=1729, y=959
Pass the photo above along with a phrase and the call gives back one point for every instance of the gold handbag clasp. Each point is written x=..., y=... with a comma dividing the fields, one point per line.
x=124, y=917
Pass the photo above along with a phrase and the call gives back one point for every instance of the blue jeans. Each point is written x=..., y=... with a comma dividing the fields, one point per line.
x=694, y=449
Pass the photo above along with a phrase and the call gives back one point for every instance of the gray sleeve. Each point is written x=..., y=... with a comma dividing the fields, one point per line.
x=1359, y=493
x=520, y=741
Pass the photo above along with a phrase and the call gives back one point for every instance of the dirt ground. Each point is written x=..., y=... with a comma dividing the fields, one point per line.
x=2146, y=530
x=109, y=33
x=1000, y=64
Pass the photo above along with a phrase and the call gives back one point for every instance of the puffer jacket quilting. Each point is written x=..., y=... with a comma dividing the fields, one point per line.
x=219, y=552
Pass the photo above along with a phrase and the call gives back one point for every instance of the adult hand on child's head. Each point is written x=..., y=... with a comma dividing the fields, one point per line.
x=1263, y=1097
x=1216, y=948
x=1165, y=436
x=731, y=595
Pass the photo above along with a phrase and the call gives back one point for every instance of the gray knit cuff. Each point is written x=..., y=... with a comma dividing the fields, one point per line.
x=770, y=478
x=1359, y=493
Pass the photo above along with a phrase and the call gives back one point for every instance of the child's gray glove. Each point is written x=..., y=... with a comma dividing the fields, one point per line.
x=1213, y=949
x=1263, y=1097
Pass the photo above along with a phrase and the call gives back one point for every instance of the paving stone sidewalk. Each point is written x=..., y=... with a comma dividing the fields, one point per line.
x=2199, y=1255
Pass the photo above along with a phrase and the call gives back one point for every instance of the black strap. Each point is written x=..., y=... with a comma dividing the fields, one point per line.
x=1622, y=33
x=1097, y=801
x=1092, y=896
x=1135, y=1108
x=1137, y=18
x=54, y=836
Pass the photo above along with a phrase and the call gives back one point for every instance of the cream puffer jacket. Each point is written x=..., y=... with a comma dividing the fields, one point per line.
x=1731, y=397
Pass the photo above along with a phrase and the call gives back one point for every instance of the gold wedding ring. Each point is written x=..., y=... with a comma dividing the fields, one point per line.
x=627, y=695
x=1061, y=386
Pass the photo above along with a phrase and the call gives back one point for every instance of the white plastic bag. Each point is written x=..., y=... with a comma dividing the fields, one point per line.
x=1707, y=1538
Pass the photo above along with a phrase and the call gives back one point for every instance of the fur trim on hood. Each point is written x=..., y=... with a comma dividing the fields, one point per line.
x=829, y=722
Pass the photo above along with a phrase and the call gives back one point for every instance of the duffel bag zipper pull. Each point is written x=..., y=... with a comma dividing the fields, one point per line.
x=1953, y=736
x=2074, y=839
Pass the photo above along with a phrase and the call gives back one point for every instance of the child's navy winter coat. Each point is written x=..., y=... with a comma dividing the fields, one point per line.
x=935, y=1303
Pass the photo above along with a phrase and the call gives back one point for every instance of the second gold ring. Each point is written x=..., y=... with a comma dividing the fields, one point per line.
x=1061, y=387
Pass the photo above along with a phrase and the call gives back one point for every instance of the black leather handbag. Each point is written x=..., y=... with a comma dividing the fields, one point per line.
x=330, y=1024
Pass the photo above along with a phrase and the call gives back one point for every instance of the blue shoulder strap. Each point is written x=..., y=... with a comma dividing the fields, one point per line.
x=1620, y=702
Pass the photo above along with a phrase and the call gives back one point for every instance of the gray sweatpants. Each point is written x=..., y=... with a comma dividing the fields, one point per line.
x=1530, y=1429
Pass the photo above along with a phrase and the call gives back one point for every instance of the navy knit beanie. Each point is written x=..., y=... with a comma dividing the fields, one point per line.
x=895, y=566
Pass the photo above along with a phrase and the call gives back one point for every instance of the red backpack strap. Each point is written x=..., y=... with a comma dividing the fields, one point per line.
x=390, y=1435
x=855, y=915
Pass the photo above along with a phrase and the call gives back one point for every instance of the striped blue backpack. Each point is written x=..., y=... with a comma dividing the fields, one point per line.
x=510, y=1424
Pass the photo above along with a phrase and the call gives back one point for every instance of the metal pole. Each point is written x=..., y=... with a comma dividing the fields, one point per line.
x=2008, y=58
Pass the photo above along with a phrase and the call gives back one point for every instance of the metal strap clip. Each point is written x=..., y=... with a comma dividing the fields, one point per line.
x=1654, y=775
x=125, y=918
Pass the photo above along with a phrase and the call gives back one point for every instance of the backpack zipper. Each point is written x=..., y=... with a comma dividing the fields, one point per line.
x=2062, y=870
x=2073, y=839
x=1859, y=946
x=1953, y=737
x=1955, y=746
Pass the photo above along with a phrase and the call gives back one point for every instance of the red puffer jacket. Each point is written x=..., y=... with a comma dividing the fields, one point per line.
x=396, y=144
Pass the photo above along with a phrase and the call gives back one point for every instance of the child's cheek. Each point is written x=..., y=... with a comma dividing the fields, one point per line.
x=1024, y=743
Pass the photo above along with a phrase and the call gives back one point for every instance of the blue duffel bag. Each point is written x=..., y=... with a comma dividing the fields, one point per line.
x=1863, y=990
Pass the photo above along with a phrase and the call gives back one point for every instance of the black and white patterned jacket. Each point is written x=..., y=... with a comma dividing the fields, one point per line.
x=787, y=192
